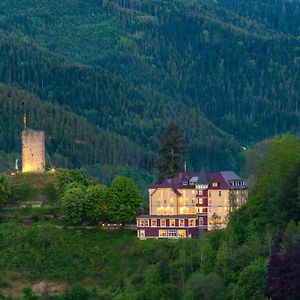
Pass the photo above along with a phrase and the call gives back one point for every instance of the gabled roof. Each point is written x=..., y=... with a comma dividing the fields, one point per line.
x=223, y=179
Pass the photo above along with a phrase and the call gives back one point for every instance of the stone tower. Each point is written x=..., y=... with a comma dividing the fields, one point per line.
x=33, y=151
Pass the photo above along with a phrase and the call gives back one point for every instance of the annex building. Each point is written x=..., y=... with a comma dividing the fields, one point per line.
x=189, y=203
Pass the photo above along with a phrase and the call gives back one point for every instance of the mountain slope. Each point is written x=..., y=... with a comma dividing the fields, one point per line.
x=70, y=140
x=244, y=76
x=112, y=103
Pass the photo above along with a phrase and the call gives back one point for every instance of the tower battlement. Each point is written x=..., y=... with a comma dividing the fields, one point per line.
x=33, y=151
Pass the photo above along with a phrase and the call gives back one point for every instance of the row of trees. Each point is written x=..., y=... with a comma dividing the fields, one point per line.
x=83, y=200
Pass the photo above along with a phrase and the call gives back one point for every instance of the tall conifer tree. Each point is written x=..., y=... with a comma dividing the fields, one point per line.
x=172, y=153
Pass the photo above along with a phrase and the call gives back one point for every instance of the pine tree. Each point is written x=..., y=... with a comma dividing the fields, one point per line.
x=172, y=153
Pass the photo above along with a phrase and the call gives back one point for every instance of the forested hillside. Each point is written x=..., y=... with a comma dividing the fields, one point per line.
x=283, y=16
x=112, y=103
x=242, y=73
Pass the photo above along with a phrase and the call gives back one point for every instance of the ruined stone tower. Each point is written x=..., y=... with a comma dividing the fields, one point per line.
x=33, y=151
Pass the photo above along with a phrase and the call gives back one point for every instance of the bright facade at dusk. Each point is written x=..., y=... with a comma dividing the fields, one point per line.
x=189, y=203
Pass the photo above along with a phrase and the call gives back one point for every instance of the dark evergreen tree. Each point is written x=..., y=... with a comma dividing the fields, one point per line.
x=284, y=274
x=172, y=153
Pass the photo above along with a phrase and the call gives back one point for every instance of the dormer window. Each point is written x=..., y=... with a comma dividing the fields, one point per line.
x=215, y=184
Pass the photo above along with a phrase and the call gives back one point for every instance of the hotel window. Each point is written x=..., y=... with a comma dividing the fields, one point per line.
x=141, y=233
x=200, y=193
x=172, y=222
x=165, y=211
x=172, y=233
x=146, y=223
x=153, y=222
x=171, y=200
x=193, y=192
x=142, y=223
x=200, y=210
x=200, y=200
x=181, y=222
x=201, y=221
x=171, y=211
x=220, y=193
x=194, y=210
x=163, y=223
x=158, y=210
x=182, y=233
x=180, y=199
x=194, y=200
x=215, y=184
x=163, y=233
x=192, y=222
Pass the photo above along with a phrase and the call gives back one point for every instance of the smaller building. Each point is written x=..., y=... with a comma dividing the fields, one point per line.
x=175, y=226
x=33, y=151
x=190, y=203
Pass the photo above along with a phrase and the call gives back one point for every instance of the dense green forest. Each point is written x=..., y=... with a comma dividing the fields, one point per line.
x=112, y=103
x=240, y=72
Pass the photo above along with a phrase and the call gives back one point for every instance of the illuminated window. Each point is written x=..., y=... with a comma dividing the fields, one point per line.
x=165, y=211
x=171, y=200
x=163, y=223
x=158, y=200
x=220, y=210
x=209, y=210
x=200, y=210
x=200, y=200
x=182, y=233
x=153, y=222
x=181, y=223
x=142, y=223
x=194, y=210
x=146, y=223
x=192, y=222
x=219, y=200
x=193, y=192
x=171, y=211
x=215, y=184
x=200, y=193
x=163, y=233
x=187, y=199
x=158, y=210
x=172, y=222
x=180, y=199
x=194, y=200
x=172, y=233
x=141, y=233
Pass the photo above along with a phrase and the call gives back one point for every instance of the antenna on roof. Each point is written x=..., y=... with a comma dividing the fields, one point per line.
x=25, y=121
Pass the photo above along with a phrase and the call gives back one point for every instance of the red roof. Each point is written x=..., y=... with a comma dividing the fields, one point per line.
x=222, y=178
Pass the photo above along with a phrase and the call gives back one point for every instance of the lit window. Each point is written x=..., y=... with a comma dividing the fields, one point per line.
x=146, y=223
x=193, y=192
x=158, y=210
x=141, y=233
x=158, y=200
x=172, y=233
x=215, y=184
x=180, y=199
x=220, y=210
x=163, y=233
x=163, y=223
x=171, y=211
x=194, y=201
x=153, y=222
x=191, y=222
x=182, y=233
x=194, y=210
x=200, y=193
x=142, y=223
x=171, y=200
x=172, y=222
x=200, y=200
x=181, y=223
